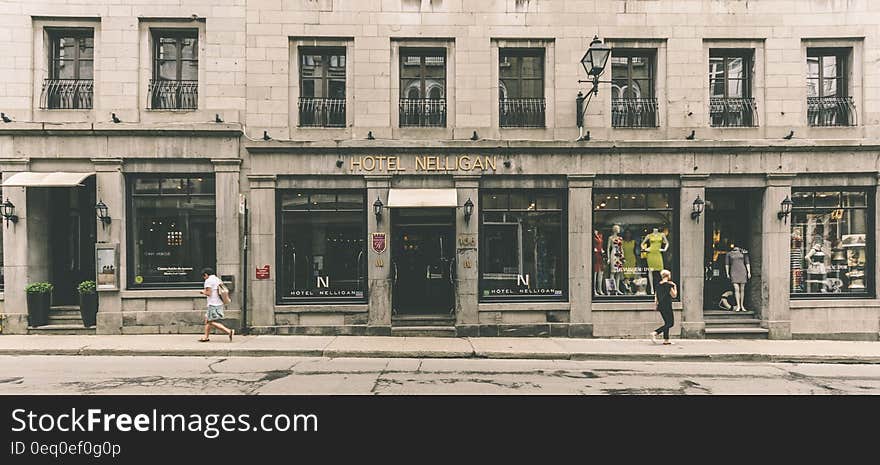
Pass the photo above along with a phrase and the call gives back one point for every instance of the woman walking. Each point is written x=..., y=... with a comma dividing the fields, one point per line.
x=214, y=313
x=663, y=295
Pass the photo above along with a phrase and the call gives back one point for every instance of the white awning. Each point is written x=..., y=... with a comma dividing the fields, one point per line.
x=56, y=179
x=415, y=198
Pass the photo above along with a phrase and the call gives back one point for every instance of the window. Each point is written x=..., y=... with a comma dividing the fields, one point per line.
x=172, y=230
x=322, y=253
x=175, y=83
x=828, y=101
x=832, y=243
x=633, y=104
x=633, y=239
x=71, y=70
x=730, y=88
x=521, y=87
x=523, y=252
x=423, y=87
x=322, y=87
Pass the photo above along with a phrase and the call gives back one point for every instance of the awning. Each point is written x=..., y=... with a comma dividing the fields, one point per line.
x=415, y=198
x=56, y=179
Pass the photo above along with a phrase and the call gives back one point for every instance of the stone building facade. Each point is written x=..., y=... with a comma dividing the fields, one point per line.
x=417, y=166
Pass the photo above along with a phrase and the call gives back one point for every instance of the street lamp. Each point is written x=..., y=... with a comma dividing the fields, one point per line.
x=468, y=210
x=594, y=62
x=697, y=208
x=785, y=208
x=377, y=209
x=9, y=212
x=103, y=214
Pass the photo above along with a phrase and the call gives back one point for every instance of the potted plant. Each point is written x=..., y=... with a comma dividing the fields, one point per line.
x=39, y=298
x=88, y=302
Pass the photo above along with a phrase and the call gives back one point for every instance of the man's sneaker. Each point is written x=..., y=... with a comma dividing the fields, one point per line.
x=653, y=337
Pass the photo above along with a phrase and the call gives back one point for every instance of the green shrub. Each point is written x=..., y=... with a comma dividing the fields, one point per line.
x=39, y=288
x=86, y=287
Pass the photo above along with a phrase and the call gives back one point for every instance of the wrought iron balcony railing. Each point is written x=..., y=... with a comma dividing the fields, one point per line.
x=67, y=94
x=321, y=112
x=422, y=112
x=831, y=111
x=634, y=113
x=521, y=112
x=174, y=95
x=733, y=112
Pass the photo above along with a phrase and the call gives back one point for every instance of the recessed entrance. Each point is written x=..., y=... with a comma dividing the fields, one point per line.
x=423, y=261
x=71, y=239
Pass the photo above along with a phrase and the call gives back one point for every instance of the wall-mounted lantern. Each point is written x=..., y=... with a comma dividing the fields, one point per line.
x=785, y=209
x=697, y=208
x=594, y=62
x=468, y=210
x=9, y=212
x=103, y=213
x=377, y=209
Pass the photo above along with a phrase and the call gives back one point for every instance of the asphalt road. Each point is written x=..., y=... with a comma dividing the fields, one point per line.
x=304, y=375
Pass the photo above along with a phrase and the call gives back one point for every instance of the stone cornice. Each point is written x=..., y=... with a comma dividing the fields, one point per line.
x=120, y=129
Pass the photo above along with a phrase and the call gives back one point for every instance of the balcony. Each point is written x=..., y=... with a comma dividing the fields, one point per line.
x=521, y=112
x=831, y=111
x=733, y=112
x=634, y=113
x=321, y=112
x=422, y=112
x=174, y=95
x=66, y=94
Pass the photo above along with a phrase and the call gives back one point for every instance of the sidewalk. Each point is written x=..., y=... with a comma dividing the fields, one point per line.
x=426, y=347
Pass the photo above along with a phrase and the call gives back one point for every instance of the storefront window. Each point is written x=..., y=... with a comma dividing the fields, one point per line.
x=322, y=253
x=832, y=251
x=633, y=239
x=523, y=245
x=172, y=232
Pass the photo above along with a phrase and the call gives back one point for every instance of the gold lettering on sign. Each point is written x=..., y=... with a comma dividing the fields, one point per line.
x=420, y=164
x=379, y=263
x=424, y=163
x=479, y=162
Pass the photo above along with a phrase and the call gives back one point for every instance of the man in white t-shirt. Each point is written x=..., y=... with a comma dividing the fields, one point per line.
x=215, y=305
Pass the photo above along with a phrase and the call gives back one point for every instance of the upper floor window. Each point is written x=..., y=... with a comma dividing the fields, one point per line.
x=633, y=103
x=731, y=103
x=521, y=87
x=423, y=87
x=828, y=100
x=71, y=70
x=322, y=87
x=175, y=82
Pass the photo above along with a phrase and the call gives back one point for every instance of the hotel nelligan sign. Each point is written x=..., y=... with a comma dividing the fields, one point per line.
x=423, y=163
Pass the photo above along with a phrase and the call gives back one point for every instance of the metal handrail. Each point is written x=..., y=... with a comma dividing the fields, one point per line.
x=521, y=112
x=733, y=112
x=321, y=112
x=831, y=111
x=173, y=95
x=422, y=112
x=634, y=113
x=67, y=94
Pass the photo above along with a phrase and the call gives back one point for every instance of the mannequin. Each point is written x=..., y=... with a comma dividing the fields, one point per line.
x=817, y=272
x=739, y=270
x=629, y=260
x=654, y=244
x=616, y=258
x=598, y=262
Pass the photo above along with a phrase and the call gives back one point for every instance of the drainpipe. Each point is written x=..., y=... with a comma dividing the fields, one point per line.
x=244, y=272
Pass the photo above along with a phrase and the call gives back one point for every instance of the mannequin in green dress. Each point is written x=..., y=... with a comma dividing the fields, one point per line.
x=654, y=244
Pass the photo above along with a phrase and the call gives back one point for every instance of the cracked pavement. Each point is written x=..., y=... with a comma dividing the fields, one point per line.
x=148, y=375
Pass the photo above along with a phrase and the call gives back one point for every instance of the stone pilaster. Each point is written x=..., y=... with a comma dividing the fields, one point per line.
x=776, y=259
x=110, y=189
x=691, y=252
x=380, y=269
x=15, y=252
x=580, y=280
x=467, y=275
x=226, y=173
x=261, y=292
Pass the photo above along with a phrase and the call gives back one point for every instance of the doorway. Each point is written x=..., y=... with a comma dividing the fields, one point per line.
x=71, y=239
x=423, y=261
x=731, y=220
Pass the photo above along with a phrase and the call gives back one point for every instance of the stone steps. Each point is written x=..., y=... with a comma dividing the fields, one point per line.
x=423, y=331
x=61, y=315
x=422, y=320
x=735, y=332
x=65, y=329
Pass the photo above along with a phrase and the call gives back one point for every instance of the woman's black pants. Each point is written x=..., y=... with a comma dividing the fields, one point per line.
x=668, y=321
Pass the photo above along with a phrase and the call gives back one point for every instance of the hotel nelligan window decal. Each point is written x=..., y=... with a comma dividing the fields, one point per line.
x=322, y=246
x=523, y=245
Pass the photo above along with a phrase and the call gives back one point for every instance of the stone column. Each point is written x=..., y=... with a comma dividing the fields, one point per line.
x=580, y=246
x=467, y=277
x=226, y=173
x=691, y=252
x=380, y=269
x=15, y=252
x=776, y=259
x=110, y=189
x=261, y=292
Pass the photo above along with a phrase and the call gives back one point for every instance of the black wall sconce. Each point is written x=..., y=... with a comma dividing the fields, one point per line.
x=594, y=62
x=697, y=208
x=9, y=212
x=785, y=210
x=468, y=210
x=103, y=213
x=377, y=209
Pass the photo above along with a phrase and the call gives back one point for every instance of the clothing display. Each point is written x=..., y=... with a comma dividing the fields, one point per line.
x=598, y=252
x=617, y=259
x=738, y=259
x=629, y=258
x=655, y=256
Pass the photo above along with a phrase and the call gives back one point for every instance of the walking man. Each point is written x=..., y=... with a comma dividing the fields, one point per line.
x=665, y=292
x=215, y=305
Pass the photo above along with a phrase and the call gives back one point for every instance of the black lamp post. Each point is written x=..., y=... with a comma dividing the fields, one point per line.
x=468, y=210
x=103, y=213
x=377, y=208
x=785, y=209
x=697, y=208
x=594, y=62
x=9, y=212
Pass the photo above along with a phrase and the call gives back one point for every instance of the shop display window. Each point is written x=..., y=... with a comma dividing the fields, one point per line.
x=832, y=239
x=633, y=239
x=523, y=253
x=172, y=232
x=322, y=249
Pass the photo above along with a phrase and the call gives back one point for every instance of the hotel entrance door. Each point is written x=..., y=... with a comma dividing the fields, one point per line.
x=423, y=261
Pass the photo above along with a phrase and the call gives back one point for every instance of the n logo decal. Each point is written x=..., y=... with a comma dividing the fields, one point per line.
x=522, y=280
x=324, y=282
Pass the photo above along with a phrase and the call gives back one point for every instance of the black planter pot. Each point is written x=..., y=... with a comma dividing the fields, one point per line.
x=88, y=308
x=38, y=308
